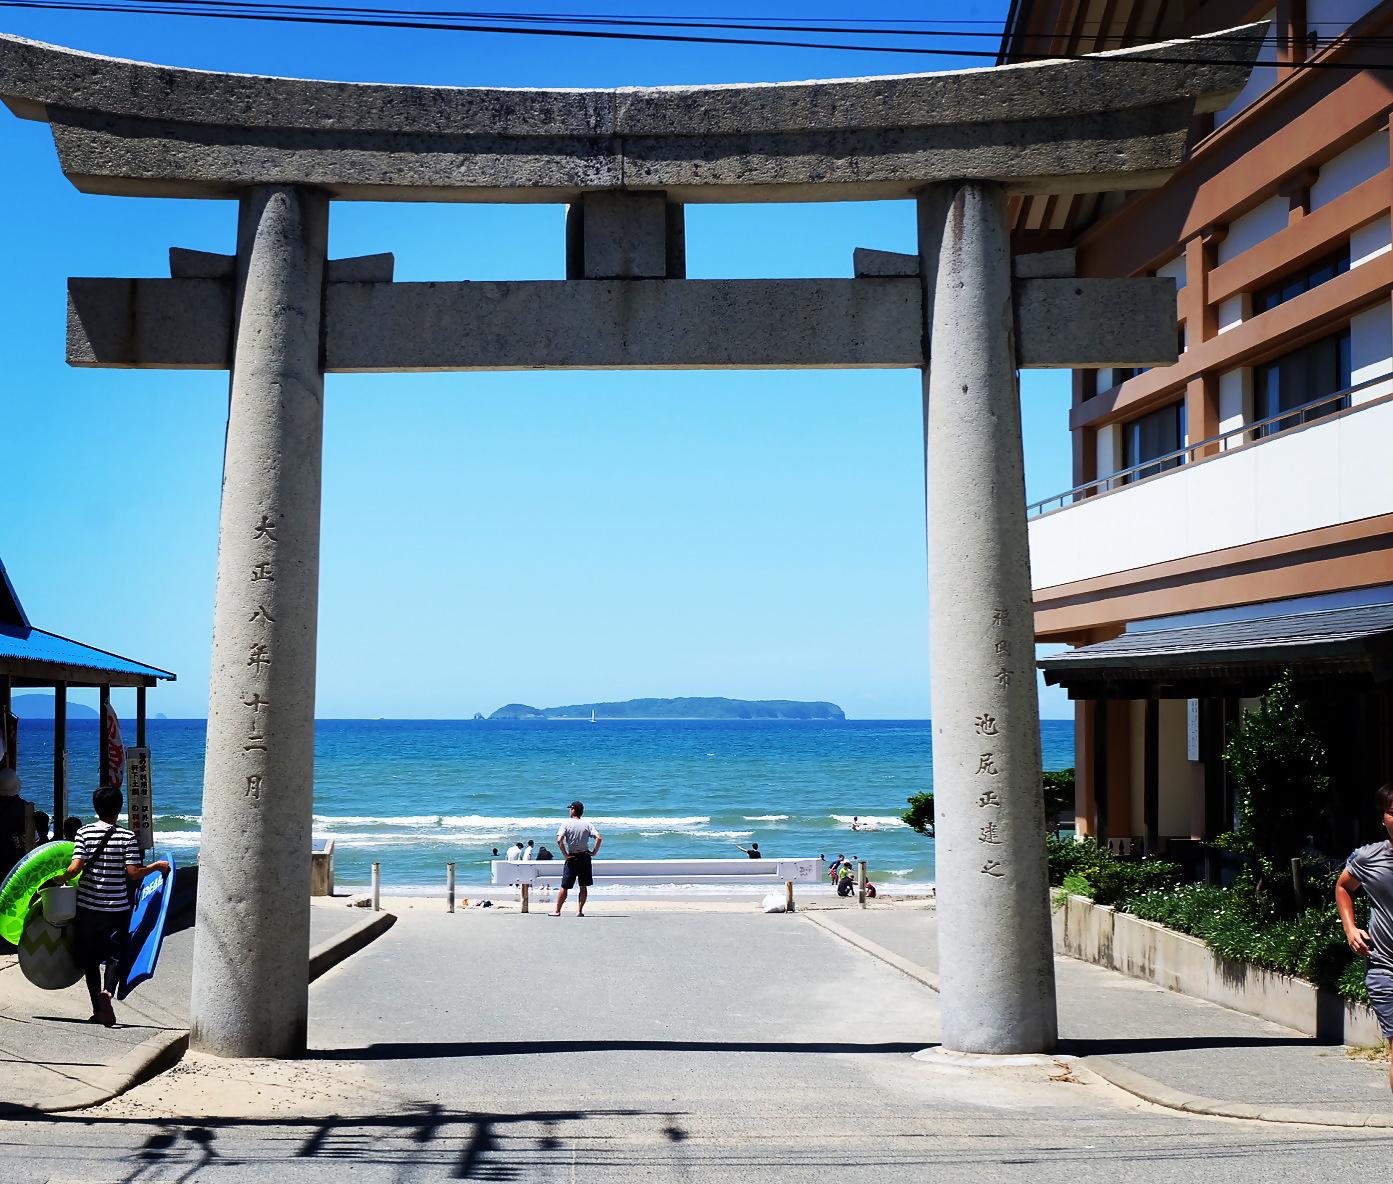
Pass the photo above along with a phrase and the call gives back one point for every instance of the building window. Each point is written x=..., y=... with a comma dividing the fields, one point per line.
x=1121, y=374
x=1158, y=434
x=1310, y=276
x=1309, y=377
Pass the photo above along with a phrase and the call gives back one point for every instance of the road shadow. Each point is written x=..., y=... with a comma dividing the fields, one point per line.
x=1116, y=1046
x=81, y=1023
x=445, y=1049
x=419, y=1138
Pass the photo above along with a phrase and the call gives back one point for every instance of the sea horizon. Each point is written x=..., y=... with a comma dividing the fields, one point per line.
x=414, y=794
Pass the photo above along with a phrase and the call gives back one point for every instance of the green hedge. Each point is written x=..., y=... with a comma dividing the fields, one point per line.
x=1232, y=923
x=1083, y=868
x=1236, y=923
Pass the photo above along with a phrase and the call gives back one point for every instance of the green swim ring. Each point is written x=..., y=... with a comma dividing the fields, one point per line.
x=24, y=881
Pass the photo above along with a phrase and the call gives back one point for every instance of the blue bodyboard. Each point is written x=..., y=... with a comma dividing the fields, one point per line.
x=147, y=929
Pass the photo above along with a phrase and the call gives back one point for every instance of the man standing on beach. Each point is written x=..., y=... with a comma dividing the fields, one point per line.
x=574, y=840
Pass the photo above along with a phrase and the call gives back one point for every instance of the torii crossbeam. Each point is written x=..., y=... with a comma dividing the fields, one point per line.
x=279, y=314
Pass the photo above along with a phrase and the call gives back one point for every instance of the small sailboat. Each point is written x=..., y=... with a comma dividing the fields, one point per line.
x=593, y=720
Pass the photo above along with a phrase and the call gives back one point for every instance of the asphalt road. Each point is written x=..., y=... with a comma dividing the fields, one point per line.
x=649, y=1047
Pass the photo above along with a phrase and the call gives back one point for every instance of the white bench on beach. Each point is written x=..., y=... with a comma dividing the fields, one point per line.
x=773, y=872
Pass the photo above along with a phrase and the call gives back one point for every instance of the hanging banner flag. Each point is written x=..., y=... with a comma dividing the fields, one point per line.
x=115, y=750
x=140, y=802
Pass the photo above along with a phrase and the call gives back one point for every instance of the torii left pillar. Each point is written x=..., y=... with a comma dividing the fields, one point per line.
x=251, y=942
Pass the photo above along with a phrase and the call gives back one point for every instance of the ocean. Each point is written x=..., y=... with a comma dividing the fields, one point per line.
x=416, y=794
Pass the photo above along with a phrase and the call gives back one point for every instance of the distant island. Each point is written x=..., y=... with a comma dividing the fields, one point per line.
x=686, y=708
x=41, y=707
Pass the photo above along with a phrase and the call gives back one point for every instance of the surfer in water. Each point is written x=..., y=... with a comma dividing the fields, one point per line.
x=108, y=856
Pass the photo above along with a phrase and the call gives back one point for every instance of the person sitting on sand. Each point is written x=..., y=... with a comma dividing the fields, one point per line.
x=544, y=853
x=515, y=853
x=527, y=854
x=844, y=879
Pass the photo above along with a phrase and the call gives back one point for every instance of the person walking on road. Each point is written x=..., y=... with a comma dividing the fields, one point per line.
x=108, y=856
x=1371, y=868
x=574, y=840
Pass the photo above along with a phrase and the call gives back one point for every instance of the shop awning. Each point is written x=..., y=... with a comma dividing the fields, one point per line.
x=1190, y=661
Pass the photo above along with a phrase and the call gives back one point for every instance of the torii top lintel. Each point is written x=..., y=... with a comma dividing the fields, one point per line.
x=1107, y=121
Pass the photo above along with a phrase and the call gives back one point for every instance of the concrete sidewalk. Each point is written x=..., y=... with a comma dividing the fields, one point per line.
x=1169, y=1048
x=53, y=1059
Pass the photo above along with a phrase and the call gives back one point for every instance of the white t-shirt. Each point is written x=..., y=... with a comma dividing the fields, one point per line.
x=527, y=854
x=514, y=853
x=575, y=835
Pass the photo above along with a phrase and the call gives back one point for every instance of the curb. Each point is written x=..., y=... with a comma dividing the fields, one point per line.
x=1129, y=1080
x=147, y=1059
x=330, y=952
x=1160, y=1094
x=165, y=1049
x=919, y=974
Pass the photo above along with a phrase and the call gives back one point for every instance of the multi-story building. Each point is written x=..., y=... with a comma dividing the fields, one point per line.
x=1231, y=516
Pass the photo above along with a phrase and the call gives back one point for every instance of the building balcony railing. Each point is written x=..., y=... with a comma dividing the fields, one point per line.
x=1257, y=432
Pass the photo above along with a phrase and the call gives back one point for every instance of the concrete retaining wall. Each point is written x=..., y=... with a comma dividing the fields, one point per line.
x=1142, y=949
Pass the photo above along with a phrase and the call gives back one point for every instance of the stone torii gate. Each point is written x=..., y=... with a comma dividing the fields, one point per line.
x=279, y=315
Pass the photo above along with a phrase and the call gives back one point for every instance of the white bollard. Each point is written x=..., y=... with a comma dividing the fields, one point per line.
x=376, y=887
x=449, y=887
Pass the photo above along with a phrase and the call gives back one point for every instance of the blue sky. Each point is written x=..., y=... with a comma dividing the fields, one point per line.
x=543, y=538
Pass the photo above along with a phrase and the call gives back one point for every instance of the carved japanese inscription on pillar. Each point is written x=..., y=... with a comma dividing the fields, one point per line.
x=259, y=660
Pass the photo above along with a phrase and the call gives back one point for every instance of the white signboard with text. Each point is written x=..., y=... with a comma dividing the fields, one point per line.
x=140, y=804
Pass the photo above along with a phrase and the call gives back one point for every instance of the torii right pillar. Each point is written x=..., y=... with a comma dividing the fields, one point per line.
x=996, y=960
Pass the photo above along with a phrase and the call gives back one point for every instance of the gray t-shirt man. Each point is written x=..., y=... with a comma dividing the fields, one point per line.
x=574, y=836
x=1372, y=866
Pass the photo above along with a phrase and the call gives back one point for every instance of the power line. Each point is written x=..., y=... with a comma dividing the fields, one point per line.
x=593, y=27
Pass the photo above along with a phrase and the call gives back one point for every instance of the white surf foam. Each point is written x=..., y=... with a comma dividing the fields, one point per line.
x=482, y=822
x=766, y=817
x=871, y=821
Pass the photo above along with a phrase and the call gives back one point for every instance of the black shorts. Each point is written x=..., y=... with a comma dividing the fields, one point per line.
x=101, y=937
x=577, y=871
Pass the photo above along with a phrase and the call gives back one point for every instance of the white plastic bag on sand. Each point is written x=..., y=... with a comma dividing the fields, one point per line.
x=774, y=903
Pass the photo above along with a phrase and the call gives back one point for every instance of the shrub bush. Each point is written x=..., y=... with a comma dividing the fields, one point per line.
x=1236, y=924
x=1059, y=794
x=1085, y=868
x=1279, y=764
x=920, y=815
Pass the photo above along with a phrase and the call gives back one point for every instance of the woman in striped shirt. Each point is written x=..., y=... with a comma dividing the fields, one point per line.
x=108, y=856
